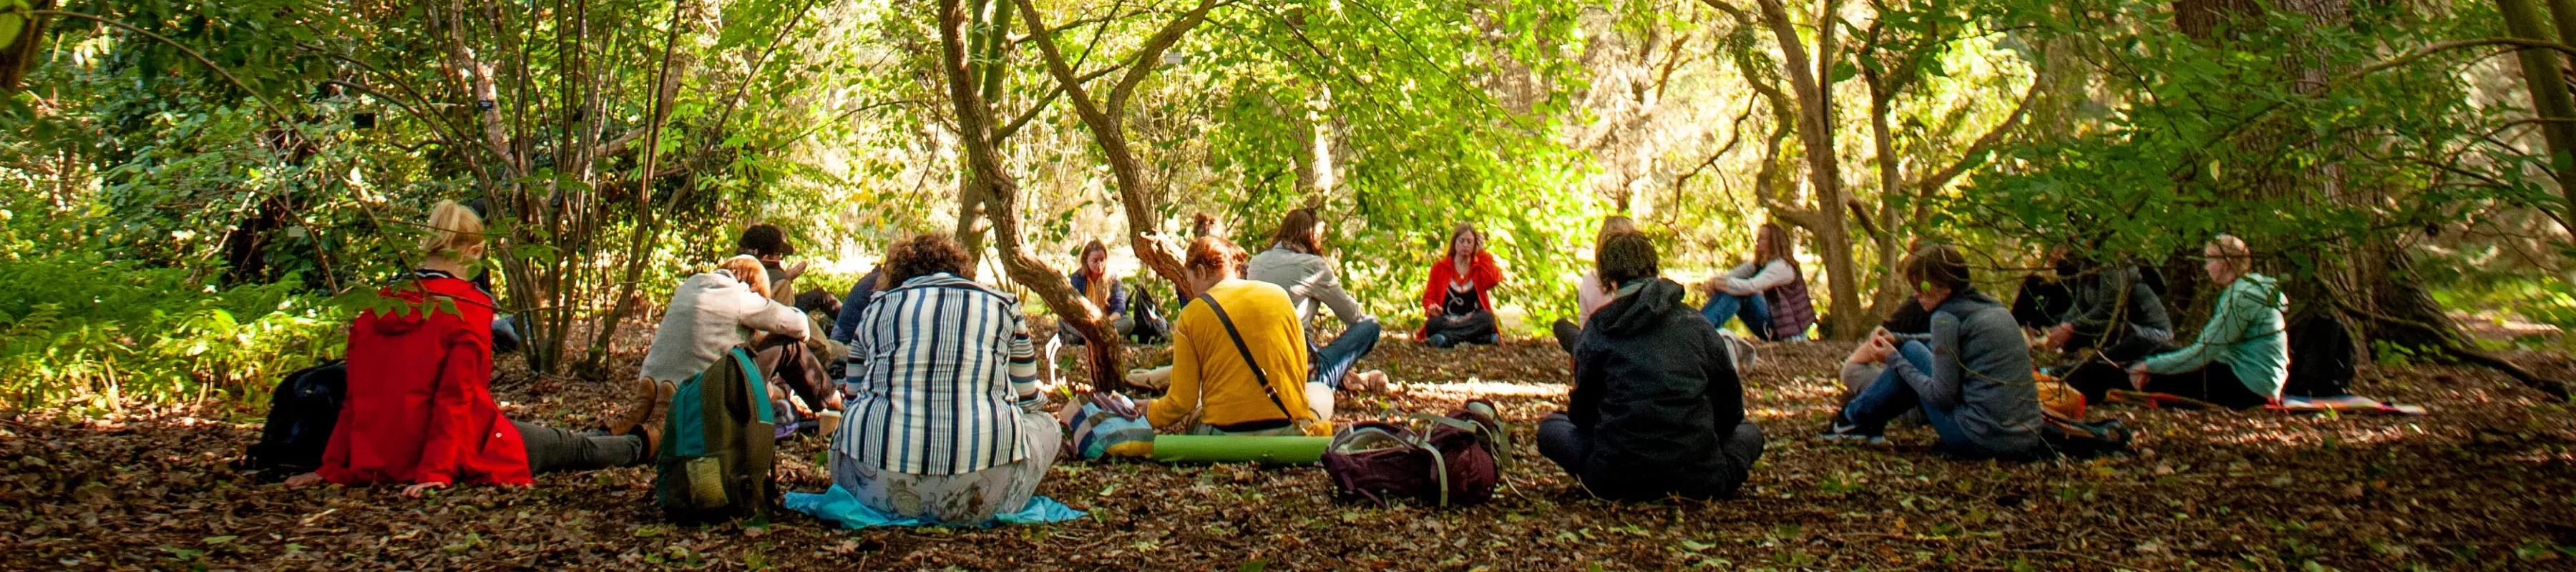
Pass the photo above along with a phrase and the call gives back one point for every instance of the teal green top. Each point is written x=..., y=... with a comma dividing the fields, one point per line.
x=2246, y=333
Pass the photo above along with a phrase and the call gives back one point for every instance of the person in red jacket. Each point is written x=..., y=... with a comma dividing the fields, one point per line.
x=1458, y=300
x=419, y=408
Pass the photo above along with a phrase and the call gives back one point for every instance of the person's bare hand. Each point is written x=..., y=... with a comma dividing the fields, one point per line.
x=794, y=270
x=304, y=480
x=2058, y=336
x=2138, y=378
x=415, y=491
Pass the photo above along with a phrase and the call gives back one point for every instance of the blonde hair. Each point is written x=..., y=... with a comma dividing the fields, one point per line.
x=747, y=268
x=2233, y=252
x=452, y=228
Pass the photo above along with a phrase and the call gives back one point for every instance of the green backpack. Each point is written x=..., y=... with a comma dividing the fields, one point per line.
x=719, y=446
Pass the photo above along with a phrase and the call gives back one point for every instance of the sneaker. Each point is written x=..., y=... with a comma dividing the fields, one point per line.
x=1440, y=340
x=1840, y=430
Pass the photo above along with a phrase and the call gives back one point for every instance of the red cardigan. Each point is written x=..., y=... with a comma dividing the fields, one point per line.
x=1482, y=272
x=420, y=406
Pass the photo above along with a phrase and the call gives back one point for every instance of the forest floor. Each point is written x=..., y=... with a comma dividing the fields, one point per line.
x=2484, y=482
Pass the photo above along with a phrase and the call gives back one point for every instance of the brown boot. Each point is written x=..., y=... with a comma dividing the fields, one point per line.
x=649, y=400
x=652, y=433
x=651, y=427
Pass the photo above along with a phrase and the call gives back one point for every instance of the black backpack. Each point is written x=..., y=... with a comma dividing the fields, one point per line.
x=2322, y=361
x=301, y=413
x=1151, y=327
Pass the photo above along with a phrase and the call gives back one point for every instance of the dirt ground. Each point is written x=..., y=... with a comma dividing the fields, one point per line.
x=2484, y=482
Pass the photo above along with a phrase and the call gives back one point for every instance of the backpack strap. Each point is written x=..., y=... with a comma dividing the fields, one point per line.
x=1246, y=350
x=757, y=387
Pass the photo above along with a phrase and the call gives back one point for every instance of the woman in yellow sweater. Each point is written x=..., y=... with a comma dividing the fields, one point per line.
x=1250, y=380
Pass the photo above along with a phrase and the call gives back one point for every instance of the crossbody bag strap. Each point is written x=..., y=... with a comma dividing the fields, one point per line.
x=1246, y=351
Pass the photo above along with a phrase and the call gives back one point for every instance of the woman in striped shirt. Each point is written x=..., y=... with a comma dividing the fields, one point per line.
x=943, y=421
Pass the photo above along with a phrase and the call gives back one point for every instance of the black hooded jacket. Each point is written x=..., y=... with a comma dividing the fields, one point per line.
x=2117, y=311
x=1654, y=386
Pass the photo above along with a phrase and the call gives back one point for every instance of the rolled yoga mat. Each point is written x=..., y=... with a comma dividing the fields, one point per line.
x=1239, y=449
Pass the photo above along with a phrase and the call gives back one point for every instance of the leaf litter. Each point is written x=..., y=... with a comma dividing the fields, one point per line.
x=2483, y=483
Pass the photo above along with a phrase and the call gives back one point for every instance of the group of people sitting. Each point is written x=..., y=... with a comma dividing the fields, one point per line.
x=937, y=411
x=1960, y=358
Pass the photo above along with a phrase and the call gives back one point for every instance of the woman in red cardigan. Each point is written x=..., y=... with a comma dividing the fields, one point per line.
x=1458, y=300
x=420, y=406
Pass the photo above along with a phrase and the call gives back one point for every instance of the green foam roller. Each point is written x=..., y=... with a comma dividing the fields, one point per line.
x=1239, y=449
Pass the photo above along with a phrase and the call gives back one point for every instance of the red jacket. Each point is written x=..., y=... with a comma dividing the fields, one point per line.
x=420, y=403
x=1482, y=272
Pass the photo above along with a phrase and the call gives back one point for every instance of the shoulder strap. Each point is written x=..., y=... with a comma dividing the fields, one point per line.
x=757, y=388
x=1246, y=351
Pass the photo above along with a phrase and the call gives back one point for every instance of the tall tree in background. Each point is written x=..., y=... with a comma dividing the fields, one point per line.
x=1902, y=44
x=976, y=136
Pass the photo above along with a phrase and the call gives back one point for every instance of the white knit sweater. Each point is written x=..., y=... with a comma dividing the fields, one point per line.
x=709, y=313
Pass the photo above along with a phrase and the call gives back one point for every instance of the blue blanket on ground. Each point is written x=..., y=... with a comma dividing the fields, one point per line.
x=839, y=506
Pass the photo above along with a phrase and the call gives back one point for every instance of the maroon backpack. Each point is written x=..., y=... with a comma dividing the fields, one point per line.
x=1453, y=465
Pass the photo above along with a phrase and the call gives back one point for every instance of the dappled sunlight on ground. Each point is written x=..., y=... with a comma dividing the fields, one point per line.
x=1483, y=389
x=2483, y=482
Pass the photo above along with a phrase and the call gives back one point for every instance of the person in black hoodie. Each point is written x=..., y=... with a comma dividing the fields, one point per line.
x=1656, y=409
x=2113, y=318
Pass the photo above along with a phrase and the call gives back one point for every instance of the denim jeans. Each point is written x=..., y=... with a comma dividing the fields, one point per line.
x=1890, y=396
x=1336, y=359
x=1755, y=311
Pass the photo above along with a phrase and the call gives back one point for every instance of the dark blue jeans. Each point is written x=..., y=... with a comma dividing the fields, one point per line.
x=1334, y=360
x=1890, y=396
x=1755, y=311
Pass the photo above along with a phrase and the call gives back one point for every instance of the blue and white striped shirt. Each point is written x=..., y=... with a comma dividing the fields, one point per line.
x=941, y=368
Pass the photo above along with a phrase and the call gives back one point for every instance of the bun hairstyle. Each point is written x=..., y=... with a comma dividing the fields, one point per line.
x=452, y=229
x=1938, y=265
x=1202, y=224
x=747, y=269
x=1625, y=256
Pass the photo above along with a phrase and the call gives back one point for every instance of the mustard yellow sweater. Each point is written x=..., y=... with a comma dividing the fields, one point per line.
x=1207, y=368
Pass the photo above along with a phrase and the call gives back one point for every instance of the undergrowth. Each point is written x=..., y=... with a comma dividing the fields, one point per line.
x=82, y=334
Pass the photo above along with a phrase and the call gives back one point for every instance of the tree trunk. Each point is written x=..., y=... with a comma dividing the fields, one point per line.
x=1827, y=221
x=1106, y=121
x=2549, y=95
x=639, y=247
x=975, y=131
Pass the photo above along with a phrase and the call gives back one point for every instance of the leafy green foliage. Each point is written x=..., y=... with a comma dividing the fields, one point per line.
x=79, y=331
x=2201, y=137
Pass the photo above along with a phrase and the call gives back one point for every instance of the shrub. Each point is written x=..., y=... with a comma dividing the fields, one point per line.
x=83, y=334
